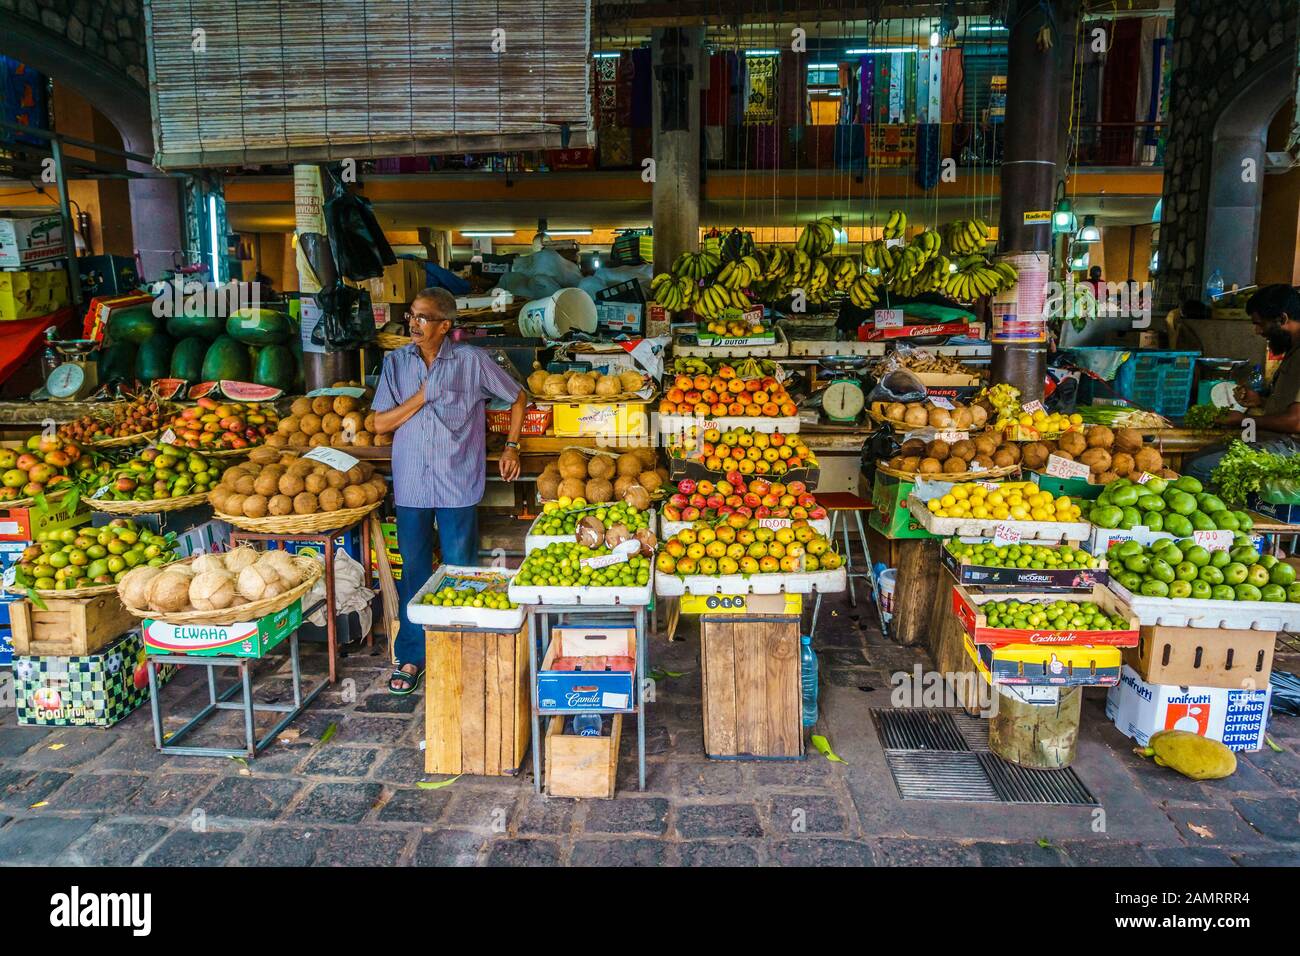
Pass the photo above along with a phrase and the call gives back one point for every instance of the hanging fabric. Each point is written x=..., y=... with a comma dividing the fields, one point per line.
x=927, y=155
x=760, y=89
x=642, y=102
x=792, y=89
x=866, y=83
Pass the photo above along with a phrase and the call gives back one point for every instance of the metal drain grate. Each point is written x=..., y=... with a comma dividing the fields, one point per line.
x=942, y=755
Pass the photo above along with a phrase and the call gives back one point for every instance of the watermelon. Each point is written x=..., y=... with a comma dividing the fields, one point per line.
x=153, y=358
x=187, y=358
x=249, y=392
x=201, y=390
x=226, y=358
x=204, y=326
x=259, y=326
x=117, y=362
x=166, y=388
x=136, y=324
x=275, y=366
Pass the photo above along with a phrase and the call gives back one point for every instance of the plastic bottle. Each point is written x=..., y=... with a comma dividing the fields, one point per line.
x=1214, y=287
x=808, y=680
x=586, y=725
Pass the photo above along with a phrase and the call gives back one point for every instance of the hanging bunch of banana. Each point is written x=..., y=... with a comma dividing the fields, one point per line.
x=739, y=273
x=844, y=270
x=674, y=292
x=817, y=238
x=928, y=242
x=896, y=224
x=908, y=261
x=1008, y=273
x=801, y=266
x=696, y=265
x=877, y=258
x=929, y=278
x=974, y=278
x=779, y=263
x=713, y=301
x=865, y=291
x=966, y=236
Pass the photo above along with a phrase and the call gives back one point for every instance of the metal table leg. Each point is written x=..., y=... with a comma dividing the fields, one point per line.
x=848, y=559
x=641, y=638
x=534, y=623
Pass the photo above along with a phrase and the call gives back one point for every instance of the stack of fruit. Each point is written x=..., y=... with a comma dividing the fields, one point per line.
x=759, y=498
x=215, y=582
x=601, y=477
x=457, y=591
x=736, y=392
x=142, y=414
x=154, y=474
x=1036, y=425
x=559, y=519
x=927, y=414
x=940, y=457
x=46, y=465
x=73, y=558
x=743, y=451
x=275, y=485
x=340, y=421
x=583, y=386
x=210, y=425
x=728, y=549
x=1108, y=453
x=1179, y=507
x=1034, y=557
x=1061, y=615
x=569, y=564
x=1011, y=501
x=1184, y=569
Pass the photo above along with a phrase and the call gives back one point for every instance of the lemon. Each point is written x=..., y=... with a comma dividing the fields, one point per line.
x=948, y=500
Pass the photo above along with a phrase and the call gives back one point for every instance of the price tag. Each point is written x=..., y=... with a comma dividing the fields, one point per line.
x=976, y=467
x=1030, y=407
x=605, y=560
x=774, y=523
x=1213, y=540
x=1143, y=478
x=938, y=401
x=10, y=575
x=1004, y=535
x=989, y=485
x=889, y=318
x=951, y=437
x=100, y=492
x=1059, y=467
x=894, y=243
x=168, y=437
x=332, y=457
x=349, y=390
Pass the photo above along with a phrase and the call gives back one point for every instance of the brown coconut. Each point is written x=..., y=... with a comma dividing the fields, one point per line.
x=1149, y=460
x=598, y=490
x=548, y=486
x=134, y=586
x=601, y=466
x=572, y=488
x=629, y=464
x=212, y=590
x=1099, y=436
x=1097, y=460
x=1073, y=442
x=1121, y=463
x=1128, y=439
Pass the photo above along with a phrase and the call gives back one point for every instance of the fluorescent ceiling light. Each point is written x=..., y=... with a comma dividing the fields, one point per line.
x=607, y=56
x=762, y=52
x=823, y=66
x=882, y=49
x=986, y=28
x=568, y=232
x=212, y=225
x=485, y=235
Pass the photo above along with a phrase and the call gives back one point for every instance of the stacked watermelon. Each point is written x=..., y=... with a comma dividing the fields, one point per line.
x=251, y=345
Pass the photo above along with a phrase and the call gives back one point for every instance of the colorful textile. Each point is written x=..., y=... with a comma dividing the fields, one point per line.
x=760, y=89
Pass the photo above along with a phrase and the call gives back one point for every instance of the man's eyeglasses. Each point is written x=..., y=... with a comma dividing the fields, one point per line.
x=422, y=319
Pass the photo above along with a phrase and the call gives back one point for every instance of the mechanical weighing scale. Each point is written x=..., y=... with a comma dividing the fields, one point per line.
x=844, y=397
x=76, y=375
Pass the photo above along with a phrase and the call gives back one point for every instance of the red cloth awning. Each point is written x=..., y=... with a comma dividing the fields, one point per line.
x=20, y=340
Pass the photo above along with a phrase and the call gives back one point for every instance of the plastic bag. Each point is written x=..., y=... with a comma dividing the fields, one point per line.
x=897, y=385
x=358, y=244
x=880, y=445
x=347, y=318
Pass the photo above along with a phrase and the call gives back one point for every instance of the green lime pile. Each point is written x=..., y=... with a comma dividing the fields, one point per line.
x=1184, y=569
x=565, y=522
x=1179, y=507
x=560, y=565
x=1052, y=616
x=85, y=557
x=1036, y=556
x=450, y=596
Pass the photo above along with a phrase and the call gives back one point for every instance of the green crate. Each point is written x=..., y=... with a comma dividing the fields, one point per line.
x=1074, y=487
x=889, y=514
x=245, y=639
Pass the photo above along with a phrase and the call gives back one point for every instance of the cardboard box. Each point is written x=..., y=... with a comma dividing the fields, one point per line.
x=984, y=576
x=587, y=689
x=107, y=275
x=592, y=419
x=32, y=293
x=1287, y=514
x=206, y=538
x=1058, y=666
x=1203, y=656
x=26, y=238
x=243, y=639
x=890, y=515
x=93, y=690
x=399, y=283
x=968, y=606
x=23, y=524
x=1236, y=718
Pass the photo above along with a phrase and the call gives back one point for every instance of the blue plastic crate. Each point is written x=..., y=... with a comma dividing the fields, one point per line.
x=1157, y=380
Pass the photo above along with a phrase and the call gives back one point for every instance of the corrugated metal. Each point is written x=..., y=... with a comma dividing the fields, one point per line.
x=306, y=80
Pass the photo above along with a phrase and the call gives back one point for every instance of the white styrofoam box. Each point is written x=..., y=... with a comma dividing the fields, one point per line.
x=590, y=596
x=487, y=618
x=1100, y=539
x=818, y=347
x=1236, y=718
x=1191, y=612
x=827, y=582
x=669, y=528
x=779, y=349
x=1036, y=531
x=682, y=424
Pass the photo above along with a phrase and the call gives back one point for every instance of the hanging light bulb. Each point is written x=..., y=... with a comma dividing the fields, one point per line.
x=935, y=38
x=1089, y=231
x=1063, y=218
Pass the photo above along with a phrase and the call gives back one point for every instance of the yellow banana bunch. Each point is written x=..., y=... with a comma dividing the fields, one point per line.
x=974, y=278
x=966, y=236
x=817, y=238
x=820, y=276
x=735, y=275
x=712, y=301
x=672, y=292
x=843, y=273
x=896, y=224
x=779, y=263
x=865, y=291
x=800, y=268
x=1008, y=273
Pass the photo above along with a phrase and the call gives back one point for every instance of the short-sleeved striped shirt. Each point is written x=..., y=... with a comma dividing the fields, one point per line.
x=439, y=452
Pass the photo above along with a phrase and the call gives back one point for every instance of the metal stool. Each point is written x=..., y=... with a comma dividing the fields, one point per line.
x=836, y=502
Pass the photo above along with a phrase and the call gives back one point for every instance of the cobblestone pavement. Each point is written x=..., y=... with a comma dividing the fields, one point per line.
x=106, y=797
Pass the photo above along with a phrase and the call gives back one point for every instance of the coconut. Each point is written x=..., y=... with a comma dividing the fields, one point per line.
x=258, y=582
x=1097, y=460
x=1035, y=454
x=909, y=463
x=913, y=446
x=629, y=464
x=930, y=466
x=940, y=418
x=548, y=486
x=331, y=499
x=572, y=488
x=343, y=404
x=263, y=456
x=239, y=558
x=1105, y=478
x=581, y=383
x=622, y=483
x=608, y=385
x=979, y=415
x=637, y=497
x=1128, y=439
x=283, y=565
x=572, y=464
x=169, y=591
x=255, y=506
x=601, y=466
x=984, y=462
x=964, y=449
x=300, y=406
x=616, y=534
x=555, y=386
x=1099, y=436
x=599, y=490
x=1121, y=463
x=895, y=411
x=208, y=562
x=537, y=381
x=938, y=449
x=649, y=458
x=916, y=415
x=955, y=465
x=212, y=590
x=1149, y=460
x=1073, y=442
x=305, y=504
x=961, y=418
x=134, y=586
x=650, y=481
x=354, y=496
x=630, y=381
x=590, y=531
x=985, y=445
x=280, y=505
x=1012, y=449
x=646, y=538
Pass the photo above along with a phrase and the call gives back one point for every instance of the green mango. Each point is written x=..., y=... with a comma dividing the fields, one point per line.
x=1125, y=497
x=1267, y=560
x=1185, y=571
x=1180, y=589
x=1131, y=518
x=1224, y=520
x=1138, y=563
x=1153, y=588
x=1235, y=573
x=1223, y=592
x=1150, y=502
x=1201, y=590
x=1197, y=555
x=1129, y=548
x=1180, y=502
x=1154, y=520
x=1273, y=593
x=1201, y=521
x=1247, y=592
x=1244, y=521
x=1156, y=486
x=1210, y=504
x=1188, y=484
x=1282, y=573
x=1246, y=555
x=1220, y=559
x=1161, y=570
x=1210, y=574
x=1178, y=525
x=1131, y=581
x=1106, y=517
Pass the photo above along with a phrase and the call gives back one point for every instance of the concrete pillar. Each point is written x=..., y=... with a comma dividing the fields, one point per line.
x=1279, y=215
x=678, y=63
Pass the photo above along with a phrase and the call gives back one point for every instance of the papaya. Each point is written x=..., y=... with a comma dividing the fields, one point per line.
x=153, y=358
x=275, y=366
x=1192, y=755
x=226, y=358
x=258, y=326
x=136, y=325
x=204, y=326
x=187, y=358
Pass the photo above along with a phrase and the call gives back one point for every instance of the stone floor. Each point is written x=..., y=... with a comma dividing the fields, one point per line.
x=106, y=797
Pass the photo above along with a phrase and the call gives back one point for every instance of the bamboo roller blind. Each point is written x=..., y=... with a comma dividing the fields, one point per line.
x=306, y=80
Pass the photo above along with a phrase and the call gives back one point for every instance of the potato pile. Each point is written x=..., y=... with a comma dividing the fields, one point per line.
x=274, y=484
x=336, y=420
x=1109, y=454
x=212, y=582
x=601, y=477
x=584, y=385
x=923, y=414
x=953, y=458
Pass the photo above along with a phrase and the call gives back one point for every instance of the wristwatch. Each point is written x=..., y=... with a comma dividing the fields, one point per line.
x=513, y=444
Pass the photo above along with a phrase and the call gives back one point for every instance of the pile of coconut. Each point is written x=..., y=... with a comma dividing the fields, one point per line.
x=592, y=532
x=923, y=414
x=603, y=477
x=981, y=453
x=275, y=484
x=211, y=582
x=585, y=385
x=1109, y=454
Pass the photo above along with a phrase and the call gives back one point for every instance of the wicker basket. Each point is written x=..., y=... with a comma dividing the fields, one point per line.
x=125, y=441
x=318, y=523
x=152, y=506
x=1003, y=471
x=31, y=502
x=89, y=592
x=223, y=453
x=311, y=571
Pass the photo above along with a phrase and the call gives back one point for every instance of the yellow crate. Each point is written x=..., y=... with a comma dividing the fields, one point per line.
x=28, y=293
x=584, y=419
x=741, y=604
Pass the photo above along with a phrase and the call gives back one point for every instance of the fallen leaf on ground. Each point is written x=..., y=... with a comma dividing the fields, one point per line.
x=330, y=731
x=824, y=748
x=1203, y=832
x=41, y=803
x=438, y=784
x=56, y=746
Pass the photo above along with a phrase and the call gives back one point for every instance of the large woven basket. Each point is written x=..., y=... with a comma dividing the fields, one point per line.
x=317, y=523
x=43, y=593
x=125, y=441
x=390, y=342
x=30, y=502
x=311, y=570
x=999, y=472
x=152, y=506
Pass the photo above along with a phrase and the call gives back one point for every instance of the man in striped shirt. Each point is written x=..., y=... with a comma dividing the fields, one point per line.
x=432, y=393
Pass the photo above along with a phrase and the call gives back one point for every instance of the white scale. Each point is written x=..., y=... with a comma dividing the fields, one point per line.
x=843, y=399
x=77, y=375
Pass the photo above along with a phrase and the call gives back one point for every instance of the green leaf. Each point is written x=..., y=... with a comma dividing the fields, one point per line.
x=1045, y=843
x=824, y=748
x=36, y=599
x=330, y=731
x=40, y=503
x=73, y=499
x=1272, y=746
x=239, y=760
x=437, y=785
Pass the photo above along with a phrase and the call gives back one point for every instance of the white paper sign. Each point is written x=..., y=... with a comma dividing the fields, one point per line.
x=889, y=318
x=332, y=457
x=168, y=437
x=1004, y=535
x=605, y=560
x=613, y=701
x=951, y=437
x=1060, y=467
x=1143, y=478
x=1213, y=540
x=349, y=390
x=1030, y=407
x=938, y=401
x=100, y=492
x=774, y=523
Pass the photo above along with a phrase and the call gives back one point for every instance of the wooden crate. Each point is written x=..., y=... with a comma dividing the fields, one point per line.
x=752, y=695
x=476, y=717
x=581, y=766
x=70, y=627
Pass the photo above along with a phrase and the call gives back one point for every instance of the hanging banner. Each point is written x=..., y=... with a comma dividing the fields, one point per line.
x=1019, y=313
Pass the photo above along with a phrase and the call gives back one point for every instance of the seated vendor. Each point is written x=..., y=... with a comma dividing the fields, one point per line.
x=1275, y=312
x=433, y=394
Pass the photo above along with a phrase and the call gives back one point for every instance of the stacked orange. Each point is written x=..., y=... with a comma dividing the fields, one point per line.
x=727, y=395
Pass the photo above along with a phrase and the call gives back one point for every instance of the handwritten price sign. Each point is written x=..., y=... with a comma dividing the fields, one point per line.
x=1004, y=535
x=1213, y=540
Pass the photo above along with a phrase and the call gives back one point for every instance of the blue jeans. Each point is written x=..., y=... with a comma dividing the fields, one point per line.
x=458, y=538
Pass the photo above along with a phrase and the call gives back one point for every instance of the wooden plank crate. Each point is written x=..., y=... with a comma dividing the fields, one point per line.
x=581, y=766
x=70, y=627
x=752, y=696
x=477, y=717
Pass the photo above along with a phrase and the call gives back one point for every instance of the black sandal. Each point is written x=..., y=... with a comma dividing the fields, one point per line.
x=411, y=679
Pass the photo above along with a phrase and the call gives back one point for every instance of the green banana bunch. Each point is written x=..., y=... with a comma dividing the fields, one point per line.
x=817, y=238
x=928, y=242
x=896, y=224
x=696, y=265
x=779, y=263
x=1008, y=273
x=843, y=273
x=801, y=268
x=820, y=276
x=691, y=366
x=976, y=277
